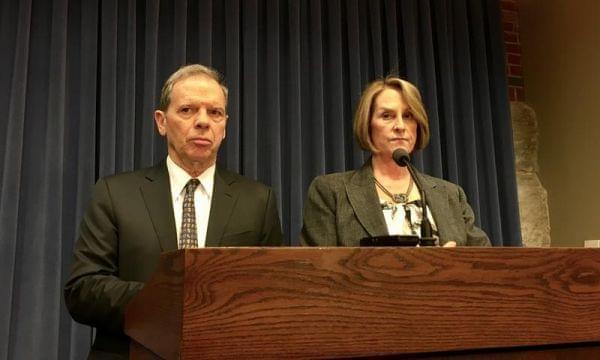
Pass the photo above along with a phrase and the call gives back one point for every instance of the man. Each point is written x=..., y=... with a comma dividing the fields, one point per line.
x=182, y=202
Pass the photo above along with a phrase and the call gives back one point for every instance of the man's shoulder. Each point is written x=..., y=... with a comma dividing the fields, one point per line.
x=237, y=180
x=136, y=176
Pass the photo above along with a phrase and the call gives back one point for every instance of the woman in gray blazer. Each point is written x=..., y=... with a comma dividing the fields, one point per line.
x=381, y=198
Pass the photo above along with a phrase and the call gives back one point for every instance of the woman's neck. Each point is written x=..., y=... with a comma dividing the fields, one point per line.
x=386, y=169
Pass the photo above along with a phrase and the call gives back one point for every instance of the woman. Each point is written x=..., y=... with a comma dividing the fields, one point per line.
x=381, y=197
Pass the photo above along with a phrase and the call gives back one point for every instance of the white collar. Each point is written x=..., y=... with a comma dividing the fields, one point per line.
x=178, y=178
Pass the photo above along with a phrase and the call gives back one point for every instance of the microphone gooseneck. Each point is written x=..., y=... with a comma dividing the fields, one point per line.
x=402, y=158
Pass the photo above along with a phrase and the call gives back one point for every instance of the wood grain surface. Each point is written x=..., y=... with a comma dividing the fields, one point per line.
x=154, y=318
x=345, y=302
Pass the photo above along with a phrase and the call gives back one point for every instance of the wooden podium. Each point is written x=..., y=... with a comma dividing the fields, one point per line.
x=222, y=303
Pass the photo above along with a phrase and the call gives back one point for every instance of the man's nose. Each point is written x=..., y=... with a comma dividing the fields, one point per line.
x=202, y=120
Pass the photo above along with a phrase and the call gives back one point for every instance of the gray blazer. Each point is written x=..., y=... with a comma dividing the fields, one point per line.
x=344, y=207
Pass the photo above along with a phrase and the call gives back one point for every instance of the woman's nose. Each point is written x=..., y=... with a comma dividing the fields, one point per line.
x=399, y=123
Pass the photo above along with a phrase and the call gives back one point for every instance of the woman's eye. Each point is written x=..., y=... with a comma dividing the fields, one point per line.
x=407, y=115
x=387, y=116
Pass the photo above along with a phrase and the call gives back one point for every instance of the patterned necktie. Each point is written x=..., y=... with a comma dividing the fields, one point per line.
x=188, y=239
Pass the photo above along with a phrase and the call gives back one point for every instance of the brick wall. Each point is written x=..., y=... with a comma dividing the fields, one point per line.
x=512, y=45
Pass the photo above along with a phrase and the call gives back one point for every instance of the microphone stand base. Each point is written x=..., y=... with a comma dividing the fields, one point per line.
x=428, y=241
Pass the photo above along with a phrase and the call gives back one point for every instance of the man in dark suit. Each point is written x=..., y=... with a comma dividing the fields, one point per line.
x=182, y=202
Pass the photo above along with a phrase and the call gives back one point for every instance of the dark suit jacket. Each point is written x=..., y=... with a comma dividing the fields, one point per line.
x=344, y=207
x=130, y=222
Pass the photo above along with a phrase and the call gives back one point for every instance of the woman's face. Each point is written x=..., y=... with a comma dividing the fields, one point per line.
x=392, y=124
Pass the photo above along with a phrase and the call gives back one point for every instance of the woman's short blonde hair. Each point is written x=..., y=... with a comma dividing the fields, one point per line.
x=366, y=106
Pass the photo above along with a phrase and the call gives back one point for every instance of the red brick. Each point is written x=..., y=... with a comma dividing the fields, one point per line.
x=511, y=37
x=510, y=5
x=513, y=59
x=510, y=16
x=520, y=94
x=512, y=94
x=515, y=81
x=513, y=49
x=515, y=70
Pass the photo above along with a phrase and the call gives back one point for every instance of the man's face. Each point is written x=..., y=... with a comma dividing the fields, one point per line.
x=194, y=122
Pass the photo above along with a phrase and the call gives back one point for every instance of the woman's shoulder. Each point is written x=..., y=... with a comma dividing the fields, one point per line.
x=333, y=181
x=336, y=177
x=440, y=182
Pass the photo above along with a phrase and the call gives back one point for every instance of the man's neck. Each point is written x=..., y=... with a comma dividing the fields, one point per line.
x=193, y=168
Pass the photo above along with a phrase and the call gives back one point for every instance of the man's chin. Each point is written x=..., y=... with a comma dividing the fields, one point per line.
x=203, y=158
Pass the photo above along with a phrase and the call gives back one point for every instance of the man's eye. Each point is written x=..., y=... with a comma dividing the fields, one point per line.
x=216, y=112
x=185, y=110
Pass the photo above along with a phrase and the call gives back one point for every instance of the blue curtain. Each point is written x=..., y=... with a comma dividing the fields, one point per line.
x=79, y=81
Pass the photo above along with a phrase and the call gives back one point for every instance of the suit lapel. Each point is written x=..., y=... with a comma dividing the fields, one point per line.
x=222, y=204
x=156, y=193
x=365, y=202
x=438, y=204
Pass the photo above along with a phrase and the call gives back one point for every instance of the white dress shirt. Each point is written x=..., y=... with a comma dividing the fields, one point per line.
x=178, y=178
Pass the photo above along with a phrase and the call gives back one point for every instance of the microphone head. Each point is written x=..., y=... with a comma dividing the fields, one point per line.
x=401, y=157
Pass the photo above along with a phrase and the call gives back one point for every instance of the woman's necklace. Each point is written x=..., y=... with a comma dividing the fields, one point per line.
x=401, y=198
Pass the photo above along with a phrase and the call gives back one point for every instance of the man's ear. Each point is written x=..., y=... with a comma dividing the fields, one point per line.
x=161, y=122
x=225, y=128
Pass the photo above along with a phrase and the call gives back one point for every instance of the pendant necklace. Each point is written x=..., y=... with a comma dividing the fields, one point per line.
x=400, y=198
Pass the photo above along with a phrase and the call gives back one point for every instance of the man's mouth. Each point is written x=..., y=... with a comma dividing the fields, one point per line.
x=200, y=141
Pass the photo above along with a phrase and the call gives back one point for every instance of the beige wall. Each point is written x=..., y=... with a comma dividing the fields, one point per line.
x=561, y=68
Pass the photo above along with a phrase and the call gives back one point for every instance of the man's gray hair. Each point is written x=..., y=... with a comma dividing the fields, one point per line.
x=186, y=72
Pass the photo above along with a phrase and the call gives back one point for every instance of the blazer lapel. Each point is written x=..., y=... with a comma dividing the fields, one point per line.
x=222, y=204
x=438, y=204
x=365, y=202
x=156, y=193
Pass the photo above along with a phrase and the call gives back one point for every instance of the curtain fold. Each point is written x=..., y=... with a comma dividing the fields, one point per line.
x=12, y=190
x=80, y=82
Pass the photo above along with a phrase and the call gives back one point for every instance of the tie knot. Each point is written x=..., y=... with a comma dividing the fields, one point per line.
x=191, y=186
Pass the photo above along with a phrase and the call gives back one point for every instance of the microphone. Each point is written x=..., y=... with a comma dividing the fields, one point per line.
x=402, y=158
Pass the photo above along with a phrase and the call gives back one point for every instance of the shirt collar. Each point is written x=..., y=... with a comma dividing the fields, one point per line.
x=179, y=178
